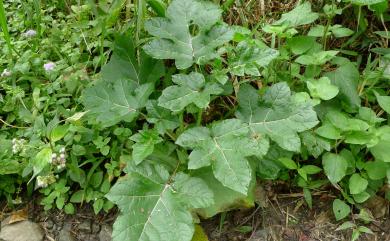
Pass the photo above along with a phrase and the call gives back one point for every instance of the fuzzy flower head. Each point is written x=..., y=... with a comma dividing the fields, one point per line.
x=49, y=66
x=6, y=73
x=30, y=33
x=18, y=145
x=45, y=181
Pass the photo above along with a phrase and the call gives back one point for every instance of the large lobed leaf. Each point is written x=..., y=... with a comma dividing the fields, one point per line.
x=176, y=40
x=224, y=146
x=249, y=57
x=277, y=114
x=124, y=87
x=190, y=89
x=124, y=64
x=110, y=103
x=153, y=208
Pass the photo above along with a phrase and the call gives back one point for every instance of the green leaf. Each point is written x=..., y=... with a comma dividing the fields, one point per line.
x=190, y=89
x=225, y=199
x=357, y=184
x=314, y=143
x=364, y=229
x=145, y=140
x=249, y=56
x=287, y=162
x=152, y=210
x=346, y=123
x=368, y=115
x=327, y=130
x=311, y=169
x=322, y=88
x=58, y=132
x=158, y=6
x=110, y=103
x=301, y=44
x=300, y=15
x=277, y=114
x=176, y=40
x=124, y=65
x=381, y=150
x=69, y=208
x=346, y=225
x=346, y=77
x=340, y=31
x=335, y=166
x=224, y=146
x=317, y=58
x=340, y=209
x=308, y=197
x=361, y=197
x=78, y=197
x=41, y=161
x=162, y=118
x=365, y=2
x=384, y=102
x=376, y=170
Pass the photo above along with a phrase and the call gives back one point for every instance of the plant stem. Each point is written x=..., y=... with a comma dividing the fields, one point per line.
x=199, y=118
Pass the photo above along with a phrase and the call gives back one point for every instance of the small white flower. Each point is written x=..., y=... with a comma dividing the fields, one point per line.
x=49, y=66
x=41, y=182
x=62, y=150
x=62, y=156
x=6, y=73
x=30, y=33
x=54, y=155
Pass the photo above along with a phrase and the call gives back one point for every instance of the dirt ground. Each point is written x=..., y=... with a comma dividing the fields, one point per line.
x=278, y=216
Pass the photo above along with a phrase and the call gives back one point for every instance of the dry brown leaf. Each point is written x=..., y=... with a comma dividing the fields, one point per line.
x=18, y=216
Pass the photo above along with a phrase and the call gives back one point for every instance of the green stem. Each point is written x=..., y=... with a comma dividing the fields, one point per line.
x=181, y=119
x=325, y=36
x=199, y=118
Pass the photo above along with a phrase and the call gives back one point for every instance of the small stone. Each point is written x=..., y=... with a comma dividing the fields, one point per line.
x=21, y=231
x=260, y=235
x=95, y=228
x=49, y=224
x=66, y=233
x=105, y=233
x=85, y=226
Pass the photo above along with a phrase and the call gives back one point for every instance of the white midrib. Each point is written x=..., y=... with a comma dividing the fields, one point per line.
x=153, y=210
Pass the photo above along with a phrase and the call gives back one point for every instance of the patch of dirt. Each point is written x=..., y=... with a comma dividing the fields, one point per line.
x=287, y=217
x=278, y=216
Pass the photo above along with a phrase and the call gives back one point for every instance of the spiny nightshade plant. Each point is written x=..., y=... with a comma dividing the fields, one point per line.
x=211, y=166
x=195, y=112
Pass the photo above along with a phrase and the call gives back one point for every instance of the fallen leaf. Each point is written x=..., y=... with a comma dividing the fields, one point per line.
x=18, y=216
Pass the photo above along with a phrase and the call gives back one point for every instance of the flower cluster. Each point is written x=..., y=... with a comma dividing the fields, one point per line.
x=6, y=73
x=18, y=145
x=30, y=33
x=45, y=181
x=49, y=66
x=59, y=159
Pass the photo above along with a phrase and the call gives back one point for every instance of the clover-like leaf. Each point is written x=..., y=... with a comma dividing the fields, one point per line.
x=175, y=39
x=190, y=89
x=249, y=56
x=112, y=102
x=145, y=140
x=154, y=210
x=224, y=146
x=277, y=114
